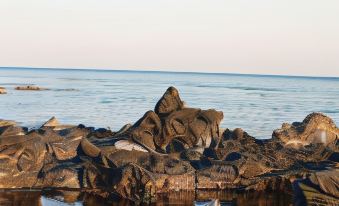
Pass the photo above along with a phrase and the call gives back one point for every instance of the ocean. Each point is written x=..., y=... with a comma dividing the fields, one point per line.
x=101, y=98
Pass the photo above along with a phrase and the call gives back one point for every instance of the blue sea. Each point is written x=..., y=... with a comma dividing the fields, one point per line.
x=257, y=103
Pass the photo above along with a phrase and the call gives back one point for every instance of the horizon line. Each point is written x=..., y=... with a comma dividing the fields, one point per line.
x=168, y=71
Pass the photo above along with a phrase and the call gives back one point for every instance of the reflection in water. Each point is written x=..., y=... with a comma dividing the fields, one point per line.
x=17, y=198
x=227, y=198
x=61, y=198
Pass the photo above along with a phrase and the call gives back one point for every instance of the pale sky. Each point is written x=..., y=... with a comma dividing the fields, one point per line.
x=294, y=37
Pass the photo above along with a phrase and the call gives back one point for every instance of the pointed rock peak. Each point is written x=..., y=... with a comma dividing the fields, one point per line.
x=52, y=122
x=173, y=91
x=169, y=102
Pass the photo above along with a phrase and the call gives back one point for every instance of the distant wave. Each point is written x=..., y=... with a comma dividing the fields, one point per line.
x=243, y=88
x=330, y=111
x=83, y=79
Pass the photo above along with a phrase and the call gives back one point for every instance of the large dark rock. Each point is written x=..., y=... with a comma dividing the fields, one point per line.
x=171, y=120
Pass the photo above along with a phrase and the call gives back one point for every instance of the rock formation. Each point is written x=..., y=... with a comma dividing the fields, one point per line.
x=316, y=128
x=171, y=148
x=172, y=123
x=30, y=87
x=3, y=90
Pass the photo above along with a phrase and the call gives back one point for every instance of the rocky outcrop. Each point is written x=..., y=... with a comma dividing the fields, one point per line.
x=316, y=128
x=171, y=123
x=172, y=148
x=3, y=90
x=6, y=123
x=30, y=87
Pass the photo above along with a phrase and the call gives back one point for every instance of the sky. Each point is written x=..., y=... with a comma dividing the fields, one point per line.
x=290, y=37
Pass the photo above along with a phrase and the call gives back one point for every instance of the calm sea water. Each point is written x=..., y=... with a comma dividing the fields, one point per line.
x=259, y=104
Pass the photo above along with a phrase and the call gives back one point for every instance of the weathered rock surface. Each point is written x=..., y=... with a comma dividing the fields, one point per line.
x=319, y=188
x=172, y=148
x=316, y=128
